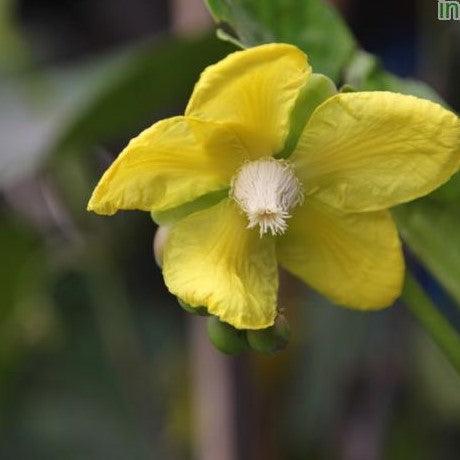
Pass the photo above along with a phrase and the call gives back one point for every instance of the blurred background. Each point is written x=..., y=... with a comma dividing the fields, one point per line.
x=97, y=360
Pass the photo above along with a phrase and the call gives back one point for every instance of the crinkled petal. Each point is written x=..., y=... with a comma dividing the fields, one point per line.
x=353, y=259
x=171, y=163
x=253, y=90
x=372, y=150
x=212, y=259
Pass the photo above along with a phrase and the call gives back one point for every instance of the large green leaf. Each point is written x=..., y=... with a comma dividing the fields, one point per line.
x=430, y=229
x=365, y=72
x=312, y=25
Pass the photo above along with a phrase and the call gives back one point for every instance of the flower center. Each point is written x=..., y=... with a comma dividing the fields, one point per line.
x=266, y=190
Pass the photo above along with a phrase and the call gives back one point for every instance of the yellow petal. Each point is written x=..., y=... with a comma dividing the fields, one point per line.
x=173, y=162
x=212, y=259
x=353, y=259
x=255, y=91
x=369, y=151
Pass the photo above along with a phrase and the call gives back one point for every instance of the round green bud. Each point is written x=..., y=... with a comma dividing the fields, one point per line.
x=270, y=340
x=202, y=311
x=226, y=338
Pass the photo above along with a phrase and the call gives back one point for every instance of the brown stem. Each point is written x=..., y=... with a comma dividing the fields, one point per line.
x=213, y=397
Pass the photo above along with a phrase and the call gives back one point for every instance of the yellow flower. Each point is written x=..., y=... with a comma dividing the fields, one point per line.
x=322, y=213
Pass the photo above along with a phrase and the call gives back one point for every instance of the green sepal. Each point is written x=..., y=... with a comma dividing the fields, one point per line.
x=202, y=311
x=172, y=215
x=272, y=339
x=226, y=338
x=318, y=89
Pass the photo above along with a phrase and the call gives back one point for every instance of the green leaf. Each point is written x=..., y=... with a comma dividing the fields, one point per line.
x=431, y=231
x=366, y=73
x=446, y=337
x=312, y=25
x=449, y=192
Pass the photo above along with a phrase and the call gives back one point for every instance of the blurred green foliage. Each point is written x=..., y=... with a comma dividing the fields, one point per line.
x=93, y=352
x=142, y=85
x=15, y=52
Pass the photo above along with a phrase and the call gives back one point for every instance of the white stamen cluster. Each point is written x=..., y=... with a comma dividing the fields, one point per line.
x=266, y=190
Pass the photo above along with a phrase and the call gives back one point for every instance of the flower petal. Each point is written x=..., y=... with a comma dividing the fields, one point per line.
x=212, y=259
x=372, y=150
x=174, y=161
x=353, y=259
x=254, y=90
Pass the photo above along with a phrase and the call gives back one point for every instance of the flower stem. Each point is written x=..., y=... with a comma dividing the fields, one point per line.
x=435, y=324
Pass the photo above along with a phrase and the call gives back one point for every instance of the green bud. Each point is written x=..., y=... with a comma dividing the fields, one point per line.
x=272, y=339
x=202, y=311
x=226, y=338
x=159, y=241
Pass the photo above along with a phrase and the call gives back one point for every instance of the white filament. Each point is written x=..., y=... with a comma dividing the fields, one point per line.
x=267, y=190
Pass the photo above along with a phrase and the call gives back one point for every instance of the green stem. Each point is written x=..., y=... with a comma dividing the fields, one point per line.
x=445, y=336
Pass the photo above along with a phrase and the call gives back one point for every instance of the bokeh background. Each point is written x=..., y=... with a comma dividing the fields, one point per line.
x=97, y=360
